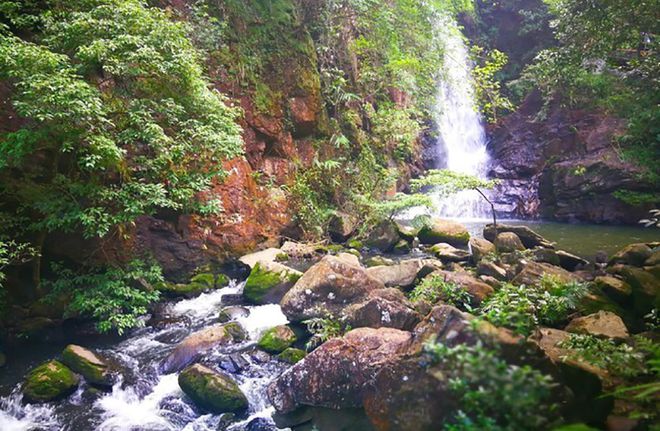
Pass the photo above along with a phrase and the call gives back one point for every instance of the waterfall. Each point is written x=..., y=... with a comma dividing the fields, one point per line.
x=461, y=141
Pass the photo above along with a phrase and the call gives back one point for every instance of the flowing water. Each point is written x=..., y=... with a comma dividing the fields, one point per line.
x=461, y=144
x=146, y=399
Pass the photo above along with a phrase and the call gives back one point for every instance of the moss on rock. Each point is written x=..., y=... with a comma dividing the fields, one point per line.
x=49, y=381
x=292, y=355
x=444, y=231
x=211, y=390
x=87, y=364
x=264, y=282
x=277, y=339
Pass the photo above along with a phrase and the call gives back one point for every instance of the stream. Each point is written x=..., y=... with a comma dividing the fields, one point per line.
x=147, y=400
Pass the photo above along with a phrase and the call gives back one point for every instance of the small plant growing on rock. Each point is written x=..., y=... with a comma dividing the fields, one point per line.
x=523, y=308
x=435, y=288
x=323, y=329
x=619, y=359
x=491, y=393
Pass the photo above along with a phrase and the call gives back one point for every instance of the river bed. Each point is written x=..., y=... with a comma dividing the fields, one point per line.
x=150, y=401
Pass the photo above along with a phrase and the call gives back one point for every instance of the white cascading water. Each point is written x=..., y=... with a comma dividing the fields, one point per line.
x=149, y=400
x=461, y=144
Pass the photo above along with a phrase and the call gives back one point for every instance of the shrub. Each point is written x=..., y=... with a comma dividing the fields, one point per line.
x=114, y=296
x=619, y=359
x=492, y=394
x=323, y=329
x=434, y=288
x=523, y=308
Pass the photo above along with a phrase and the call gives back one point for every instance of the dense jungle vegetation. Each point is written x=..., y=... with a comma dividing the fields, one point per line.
x=117, y=115
x=114, y=115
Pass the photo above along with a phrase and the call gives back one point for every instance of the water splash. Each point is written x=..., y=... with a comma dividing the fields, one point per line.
x=461, y=144
x=16, y=416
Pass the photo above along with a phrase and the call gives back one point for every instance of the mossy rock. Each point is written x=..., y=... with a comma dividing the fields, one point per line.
x=49, y=381
x=355, y=243
x=378, y=260
x=87, y=364
x=408, y=233
x=206, y=279
x=211, y=390
x=236, y=331
x=269, y=284
x=281, y=257
x=277, y=339
x=199, y=283
x=444, y=231
x=292, y=355
x=182, y=290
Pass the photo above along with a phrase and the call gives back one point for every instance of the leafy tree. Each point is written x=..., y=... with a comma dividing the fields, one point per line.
x=114, y=296
x=492, y=394
x=115, y=120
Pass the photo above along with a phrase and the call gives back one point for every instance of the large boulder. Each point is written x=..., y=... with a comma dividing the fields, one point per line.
x=475, y=287
x=327, y=288
x=404, y=273
x=198, y=284
x=570, y=261
x=342, y=225
x=383, y=236
x=654, y=259
x=490, y=269
x=645, y=287
x=613, y=287
x=450, y=326
x=529, y=238
x=601, y=324
x=408, y=395
x=530, y=273
x=199, y=342
x=268, y=282
x=335, y=374
x=277, y=339
x=449, y=253
x=383, y=308
x=262, y=256
x=211, y=390
x=447, y=231
x=407, y=232
x=585, y=379
x=48, y=382
x=632, y=254
x=507, y=242
x=480, y=247
x=86, y=363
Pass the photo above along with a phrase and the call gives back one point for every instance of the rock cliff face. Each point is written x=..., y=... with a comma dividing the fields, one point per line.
x=565, y=166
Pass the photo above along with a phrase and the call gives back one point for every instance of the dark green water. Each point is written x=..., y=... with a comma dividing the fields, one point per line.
x=581, y=239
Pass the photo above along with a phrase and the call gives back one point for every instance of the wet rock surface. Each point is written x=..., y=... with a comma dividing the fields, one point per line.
x=563, y=167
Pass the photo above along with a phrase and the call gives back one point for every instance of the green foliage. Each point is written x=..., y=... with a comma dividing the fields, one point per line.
x=619, y=359
x=395, y=131
x=12, y=253
x=434, y=288
x=448, y=182
x=646, y=393
x=112, y=93
x=488, y=91
x=606, y=59
x=635, y=198
x=638, y=363
x=492, y=394
x=323, y=329
x=523, y=308
x=114, y=296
